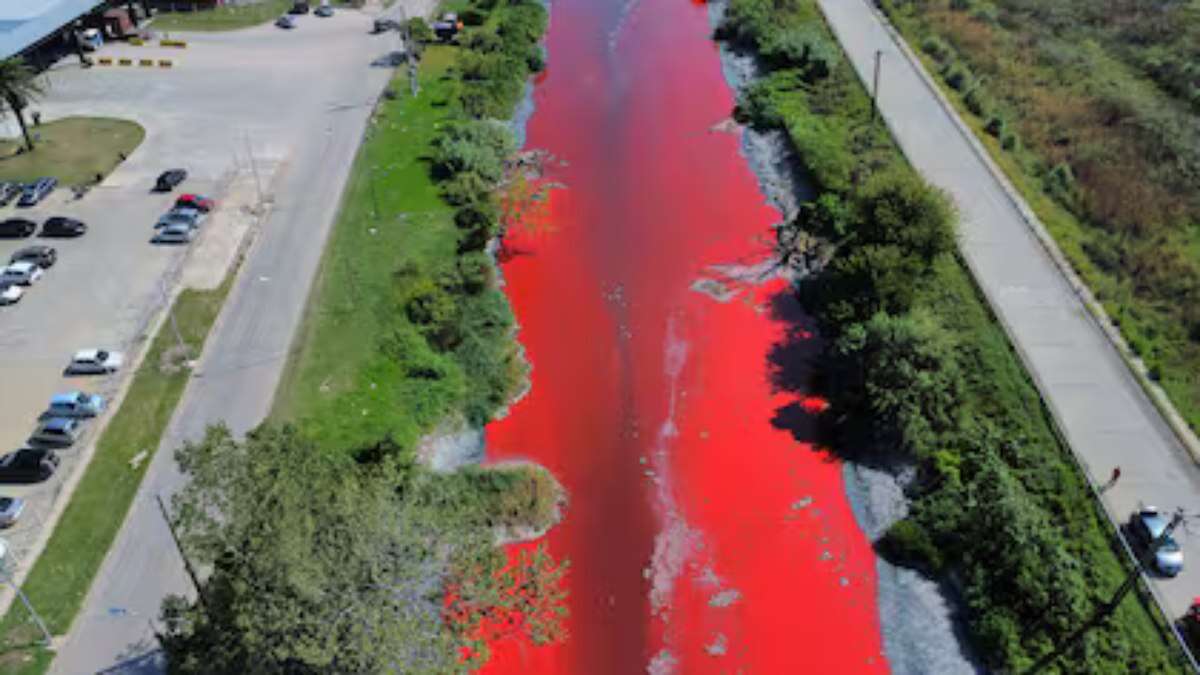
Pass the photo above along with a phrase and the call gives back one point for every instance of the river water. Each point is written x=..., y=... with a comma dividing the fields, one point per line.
x=705, y=532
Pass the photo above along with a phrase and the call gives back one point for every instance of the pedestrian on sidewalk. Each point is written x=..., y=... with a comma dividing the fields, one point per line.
x=1116, y=476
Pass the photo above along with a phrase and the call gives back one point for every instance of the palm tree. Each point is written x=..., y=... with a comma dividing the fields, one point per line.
x=19, y=85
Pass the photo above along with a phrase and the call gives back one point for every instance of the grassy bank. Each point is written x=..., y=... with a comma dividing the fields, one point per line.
x=228, y=17
x=72, y=149
x=60, y=579
x=1092, y=114
x=918, y=371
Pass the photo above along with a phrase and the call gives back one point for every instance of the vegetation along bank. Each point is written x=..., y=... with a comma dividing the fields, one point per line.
x=340, y=551
x=918, y=373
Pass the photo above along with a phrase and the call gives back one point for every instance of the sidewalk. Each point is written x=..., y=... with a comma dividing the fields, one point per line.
x=1104, y=414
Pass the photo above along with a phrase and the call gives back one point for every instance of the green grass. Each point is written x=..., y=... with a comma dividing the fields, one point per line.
x=229, y=17
x=60, y=579
x=335, y=354
x=73, y=149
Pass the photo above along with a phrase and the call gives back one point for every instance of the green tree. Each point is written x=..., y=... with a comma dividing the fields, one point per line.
x=898, y=376
x=18, y=86
x=316, y=563
x=898, y=207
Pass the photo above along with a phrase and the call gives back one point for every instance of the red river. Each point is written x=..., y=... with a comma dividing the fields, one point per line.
x=704, y=533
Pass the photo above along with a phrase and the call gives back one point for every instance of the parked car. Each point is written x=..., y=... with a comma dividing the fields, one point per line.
x=384, y=25
x=28, y=465
x=324, y=11
x=56, y=432
x=60, y=226
x=37, y=191
x=17, y=227
x=9, y=190
x=194, y=201
x=23, y=273
x=40, y=255
x=1147, y=526
x=74, y=404
x=299, y=7
x=169, y=179
x=10, y=294
x=180, y=216
x=11, y=509
x=175, y=233
x=94, y=362
x=285, y=21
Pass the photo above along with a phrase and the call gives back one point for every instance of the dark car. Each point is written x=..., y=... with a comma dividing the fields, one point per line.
x=324, y=11
x=384, y=25
x=60, y=226
x=299, y=8
x=285, y=21
x=17, y=227
x=8, y=190
x=169, y=179
x=42, y=256
x=37, y=191
x=28, y=465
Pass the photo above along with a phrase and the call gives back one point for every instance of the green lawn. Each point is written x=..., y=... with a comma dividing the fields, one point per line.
x=73, y=149
x=63, y=573
x=230, y=17
x=353, y=297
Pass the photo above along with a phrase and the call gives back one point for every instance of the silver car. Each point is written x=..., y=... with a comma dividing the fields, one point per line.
x=10, y=510
x=94, y=362
x=1148, y=526
x=175, y=234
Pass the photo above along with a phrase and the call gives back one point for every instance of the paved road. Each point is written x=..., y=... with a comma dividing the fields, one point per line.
x=1107, y=418
x=238, y=373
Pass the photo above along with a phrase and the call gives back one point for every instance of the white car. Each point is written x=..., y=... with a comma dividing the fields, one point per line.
x=10, y=294
x=23, y=273
x=94, y=362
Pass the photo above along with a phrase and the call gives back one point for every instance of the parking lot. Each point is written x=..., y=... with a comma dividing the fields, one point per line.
x=246, y=113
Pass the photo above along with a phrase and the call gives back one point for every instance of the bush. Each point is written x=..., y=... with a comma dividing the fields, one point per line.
x=898, y=207
x=419, y=30
x=996, y=126
x=936, y=48
x=958, y=77
x=821, y=145
x=1010, y=142
x=976, y=101
x=907, y=544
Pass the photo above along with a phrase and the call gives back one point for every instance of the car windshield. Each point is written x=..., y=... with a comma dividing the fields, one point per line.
x=5, y=502
x=1168, y=545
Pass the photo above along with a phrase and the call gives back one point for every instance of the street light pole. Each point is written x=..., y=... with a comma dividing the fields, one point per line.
x=875, y=85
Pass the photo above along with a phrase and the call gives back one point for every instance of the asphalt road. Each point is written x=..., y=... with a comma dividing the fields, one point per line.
x=315, y=139
x=1107, y=418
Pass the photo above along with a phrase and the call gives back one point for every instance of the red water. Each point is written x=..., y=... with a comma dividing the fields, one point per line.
x=704, y=533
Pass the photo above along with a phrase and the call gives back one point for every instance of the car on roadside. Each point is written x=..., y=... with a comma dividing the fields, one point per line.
x=324, y=11
x=94, y=362
x=169, y=180
x=175, y=233
x=1148, y=527
x=11, y=294
x=285, y=22
x=61, y=226
x=11, y=509
x=195, y=201
x=299, y=7
x=17, y=228
x=28, y=465
x=181, y=215
x=56, y=432
x=8, y=191
x=41, y=255
x=74, y=404
x=36, y=191
x=384, y=25
x=23, y=273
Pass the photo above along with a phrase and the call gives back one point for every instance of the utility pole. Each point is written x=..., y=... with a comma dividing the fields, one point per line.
x=187, y=564
x=875, y=85
x=37, y=618
x=1106, y=610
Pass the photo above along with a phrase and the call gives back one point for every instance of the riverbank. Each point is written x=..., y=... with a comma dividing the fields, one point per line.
x=918, y=372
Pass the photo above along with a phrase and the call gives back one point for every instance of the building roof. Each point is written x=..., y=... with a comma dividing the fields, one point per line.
x=24, y=23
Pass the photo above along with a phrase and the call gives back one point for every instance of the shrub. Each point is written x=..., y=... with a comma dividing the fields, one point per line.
x=898, y=207
x=1010, y=142
x=976, y=101
x=907, y=544
x=419, y=30
x=821, y=144
x=805, y=48
x=996, y=126
x=958, y=77
x=936, y=48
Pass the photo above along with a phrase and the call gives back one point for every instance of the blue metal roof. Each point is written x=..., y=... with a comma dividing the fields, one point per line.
x=25, y=22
